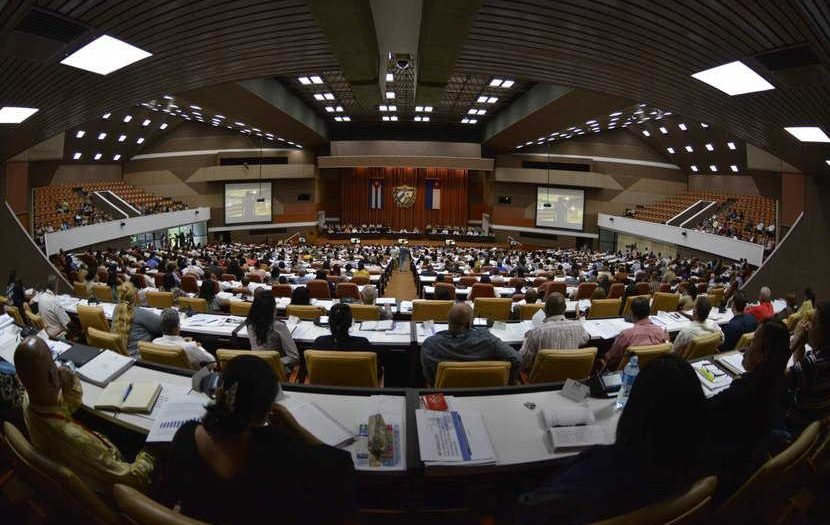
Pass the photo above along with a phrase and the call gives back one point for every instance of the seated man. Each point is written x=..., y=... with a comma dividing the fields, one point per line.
x=740, y=324
x=809, y=377
x=763, y=309
x=643, y=333
x=54, y=316
x=170, y=337
x=461, y=342
x=700, y=325
x=53, y=394
x=555, y=333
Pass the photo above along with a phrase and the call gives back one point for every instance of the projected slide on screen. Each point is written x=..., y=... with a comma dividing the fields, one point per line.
x=559, y=208
x=247, y=202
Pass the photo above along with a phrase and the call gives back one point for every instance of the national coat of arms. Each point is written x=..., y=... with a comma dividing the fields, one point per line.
x=404, y=196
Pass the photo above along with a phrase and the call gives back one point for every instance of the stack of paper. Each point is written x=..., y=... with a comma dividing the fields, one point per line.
x=734, y=362
x=606, y=328
x=377, y=325
x=105, y=367
x=175, y=413
x=711, y=377
x=321, y=424
x=453, y=438
x=573, y=427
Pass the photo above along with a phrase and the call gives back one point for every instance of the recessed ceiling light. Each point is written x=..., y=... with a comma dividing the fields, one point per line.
x=428, y=109
x=102, y=136
x=482, y=99
x=496, y=82
x=731, y=145
x=646, y=133
x=347, y=119
x=122, y=138
x=140, y=140
x=116, y=157
x=390, y=77
x=704, y=125
x=163, y=126
x=734, y=168
x=339, y=109
x=465, y=121
x=712, y=167
x=15, y=115
x=128, y=118
x=417, y=119
x=304, y=80
x=693, y=168
x=338, y=119
x=615, y=114
x=390, y=95
x=808, y=134
x=77, y=155
x=710, y=147
x=98, y=156
x=481, y=112
x=682, y=126
x=473, y=120
x=197, y=108
x=492, y=100
x=690, y=149
x=734, y=78
x=471, y=111
x=319, y=96
x=240, y=124
x=80, y=134
x=670, y=150
x=828, y=162
x=663, y=130
x=315, y=79
x=507, y=83
x=419, y=109
x=104, y=55
x=425, y=119
x=393, y=117
x=383, y=108
x=589, y=122
x=168, y=97
x=393, y=108
x=330, y=109
x=105, y=116
x=146, y=123
x=385, y=118
x=328, y=96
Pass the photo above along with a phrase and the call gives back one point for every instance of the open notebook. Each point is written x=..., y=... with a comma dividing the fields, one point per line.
x=573, y=427
x=124, y=396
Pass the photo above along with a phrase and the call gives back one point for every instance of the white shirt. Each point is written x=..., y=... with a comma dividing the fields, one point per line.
x=54, y=316
x=195, y=353
x=695, y=329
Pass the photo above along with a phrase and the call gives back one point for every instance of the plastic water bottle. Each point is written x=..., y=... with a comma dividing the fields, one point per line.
x=628, y=376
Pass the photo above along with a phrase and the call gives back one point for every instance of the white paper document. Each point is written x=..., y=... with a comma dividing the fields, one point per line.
x=176, y=413
x=565, y=416
x=576, y=436
x=450, y=438
x=105, y=367
x=321, y=424
x=606, y=328
x=734, y=362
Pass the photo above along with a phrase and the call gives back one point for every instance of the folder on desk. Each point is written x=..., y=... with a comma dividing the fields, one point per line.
x=105, y=367
x=79, y=355
x=453, y=438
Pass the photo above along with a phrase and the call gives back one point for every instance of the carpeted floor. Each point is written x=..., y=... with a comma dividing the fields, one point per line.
x=401, y=285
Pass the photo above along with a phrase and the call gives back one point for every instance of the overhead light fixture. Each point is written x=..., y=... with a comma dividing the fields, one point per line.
x=481, y=112
x=122, y=138
x=704, y=125
x=240, y=124
x=690, y=149
x=146, y=123
x=507, y=84
x=471, y=111
x=713, y=168
x=682, y=126
x=646, y=133
x=428, y=109
x=102, y=136
x=304, y=80
x=734, y=78
x=465, y=120
x=347, y=119
x=693, y=168
x=116, y=157
x=315, y=79
x=127, y=118
x=77, y=155
x=330, y=109
x=734, y=168
x=168, y=97
x=390, y=77
x=730, y=145
x=496, y=82
x=80, y=134
x=197, y=108
x=15, y=115
x=319, y=96
x=425, y=119
x=163, y=126
x=670, y=150
x=808, y=134
x=104, y=55
x=328, y=96
x=390, y=95
x=417, y=119
x=710, y=147
x=393, y=118
x=105, y=116
x=492, y=100
x=385, y=118
x=339, y=109
x=663, y=130
x=419, y=109
x=589, y=122
x=482, y=99
x=97, y=156
x=473, y=121
x=393, y=108
x=140, y=140
x=615, y=114
x=828, y=162
x=338, y=119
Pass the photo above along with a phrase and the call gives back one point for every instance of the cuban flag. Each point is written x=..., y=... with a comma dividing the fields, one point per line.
x=432, y=200
x=375, y=194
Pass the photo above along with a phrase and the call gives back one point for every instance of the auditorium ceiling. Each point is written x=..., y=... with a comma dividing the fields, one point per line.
x=645, y=52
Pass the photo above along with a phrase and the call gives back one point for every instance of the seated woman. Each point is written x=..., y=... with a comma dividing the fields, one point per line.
x=134, y=323
x=172, y=280
x=266, y=332
x=340, y=321
x=208, y=292
x=248, y=452
x=743, y=416
x=658, y=451
x=300, y=296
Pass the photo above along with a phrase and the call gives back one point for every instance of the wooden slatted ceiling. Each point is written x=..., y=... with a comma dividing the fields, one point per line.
x=648, y=50
x=194, y=44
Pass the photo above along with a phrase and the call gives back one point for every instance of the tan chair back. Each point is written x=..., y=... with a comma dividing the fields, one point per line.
x=472, y=374
x=604, y=308
x=665, y=302
x=424, y=310
x=630, y=299
x=345, y=290
x=102, y=292
x=282, y=290
x=92, y=316
x=159, y=299
x=14, y=313
x=551, y=366
x=304, y=311
x=190, y=284
x=364, y=312
x=716, y=297
x=645, y=354
x=318, y=289
x=360, y=280
x=56, y=484
x=108, y=340
x=138, y=509
x=585, y=290
x=449, y=287
x=616, y=291
x=240, y=308
x=164, y=355
x=272, y=357
x=479, y=290
x=527, y=311
x=495, y=308
x=687, y=508
x=702, y=346
x=196, y=304
x=745, y=340
x=79, y=290
x=340, y=368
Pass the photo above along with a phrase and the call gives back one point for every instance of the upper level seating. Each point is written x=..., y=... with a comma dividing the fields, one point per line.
x=664, y=210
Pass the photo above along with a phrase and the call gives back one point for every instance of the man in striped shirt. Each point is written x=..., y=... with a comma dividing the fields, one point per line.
x=556, y=332
x=809, y=377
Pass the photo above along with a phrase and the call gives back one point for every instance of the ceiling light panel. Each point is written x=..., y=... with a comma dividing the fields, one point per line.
x=808, y=134
x=104, y=55
x=15, y=115
x=734, y=78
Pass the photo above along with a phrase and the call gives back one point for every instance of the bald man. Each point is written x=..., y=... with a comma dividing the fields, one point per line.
x=556, y=332
x=460, y=342
x=53, y=394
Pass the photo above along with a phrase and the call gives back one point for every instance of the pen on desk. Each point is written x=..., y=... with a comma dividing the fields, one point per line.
x=127, y=393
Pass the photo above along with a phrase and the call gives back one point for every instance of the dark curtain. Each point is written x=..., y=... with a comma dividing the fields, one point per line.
x=354, y=190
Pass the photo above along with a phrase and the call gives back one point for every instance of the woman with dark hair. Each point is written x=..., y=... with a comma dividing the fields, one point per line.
x=340, y=321
x=743, y=417
x=172, y=280
x=266, y=332
x=658, y=450
x=300, y=296
x=18, y=294
x=208, y=292
x=248, y=452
